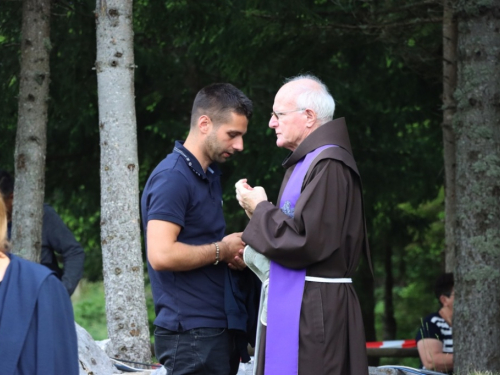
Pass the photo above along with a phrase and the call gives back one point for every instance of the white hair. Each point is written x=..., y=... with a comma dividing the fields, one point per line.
x=318, y=99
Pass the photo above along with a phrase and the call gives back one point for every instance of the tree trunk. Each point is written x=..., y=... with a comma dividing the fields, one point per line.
x=363, y=284
x=120, y=233
x=389, y=320
x=476, y=320
x=449, y=145
x=31, y=137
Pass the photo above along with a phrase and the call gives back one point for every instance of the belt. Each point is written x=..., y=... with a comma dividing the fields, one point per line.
x=328, y=280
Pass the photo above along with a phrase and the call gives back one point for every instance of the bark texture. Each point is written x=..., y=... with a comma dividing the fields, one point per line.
x=364, y=286
x=390, y=326
x=31, y=136
x=476, y=320
x=450, y=31
x=120, y=233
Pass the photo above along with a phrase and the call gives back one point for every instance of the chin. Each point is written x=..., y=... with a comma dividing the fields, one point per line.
x=223, y=159
x=282, y=144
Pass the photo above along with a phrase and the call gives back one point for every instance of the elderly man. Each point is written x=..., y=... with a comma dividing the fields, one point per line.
x=314, y=239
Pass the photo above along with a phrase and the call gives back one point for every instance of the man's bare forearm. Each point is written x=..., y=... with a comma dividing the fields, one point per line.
x=182, y=257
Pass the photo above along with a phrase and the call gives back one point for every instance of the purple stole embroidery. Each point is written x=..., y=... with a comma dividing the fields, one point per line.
x=286, y=287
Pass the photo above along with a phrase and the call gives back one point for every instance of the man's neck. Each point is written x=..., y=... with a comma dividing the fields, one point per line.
x=193, y=146
x=446, y=314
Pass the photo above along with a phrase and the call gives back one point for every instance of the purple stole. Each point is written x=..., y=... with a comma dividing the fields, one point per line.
x=286, y=287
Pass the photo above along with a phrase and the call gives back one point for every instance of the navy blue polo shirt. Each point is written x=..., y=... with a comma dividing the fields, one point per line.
x=179, y=191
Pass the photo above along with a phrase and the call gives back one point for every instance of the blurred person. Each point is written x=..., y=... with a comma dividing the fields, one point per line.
x=435, y=335
x=37, y=329
x=188, y=254
x=57, y=239
x=314, y=238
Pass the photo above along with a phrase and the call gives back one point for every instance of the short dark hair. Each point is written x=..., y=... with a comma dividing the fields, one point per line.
x=444, y=285
x=218, y=100
x=6, y=183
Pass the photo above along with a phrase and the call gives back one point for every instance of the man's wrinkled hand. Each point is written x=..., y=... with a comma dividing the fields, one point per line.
x=249, y=197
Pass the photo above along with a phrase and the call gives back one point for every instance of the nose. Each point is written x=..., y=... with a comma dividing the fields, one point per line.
x=273, y=122
x=238, y=144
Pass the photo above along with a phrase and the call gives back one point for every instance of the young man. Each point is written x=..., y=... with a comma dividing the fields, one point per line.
x=187, y=252
x=314, y=238
x=435, y=336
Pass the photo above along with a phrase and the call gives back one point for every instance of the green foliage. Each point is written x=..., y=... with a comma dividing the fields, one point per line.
x=416, y=267
x=86, y=231
x=10, y=24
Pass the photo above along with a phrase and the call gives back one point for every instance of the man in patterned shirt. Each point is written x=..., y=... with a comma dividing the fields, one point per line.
x=434, y=338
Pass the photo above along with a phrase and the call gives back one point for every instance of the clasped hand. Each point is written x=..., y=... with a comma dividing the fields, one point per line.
x=249, y=197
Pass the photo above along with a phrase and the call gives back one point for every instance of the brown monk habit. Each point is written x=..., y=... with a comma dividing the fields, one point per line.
x=327, y=236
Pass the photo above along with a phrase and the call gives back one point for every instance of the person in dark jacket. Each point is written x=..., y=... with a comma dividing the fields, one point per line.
x=57, y=239
x=37, y=329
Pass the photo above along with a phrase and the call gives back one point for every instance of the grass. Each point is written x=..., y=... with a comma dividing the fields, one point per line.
x=89, y=308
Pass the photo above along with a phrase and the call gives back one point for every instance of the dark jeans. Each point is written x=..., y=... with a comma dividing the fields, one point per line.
x=199, y=351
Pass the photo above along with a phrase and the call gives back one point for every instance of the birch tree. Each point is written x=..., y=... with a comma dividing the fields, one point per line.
x=31, y=135
x=120, y=234
x=476, y=320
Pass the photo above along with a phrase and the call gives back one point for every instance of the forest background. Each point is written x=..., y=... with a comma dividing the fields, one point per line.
x=381, y=60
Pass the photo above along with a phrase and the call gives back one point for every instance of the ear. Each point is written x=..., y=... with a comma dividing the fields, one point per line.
x=311, y=118
x=445, y=301
x=204, y=124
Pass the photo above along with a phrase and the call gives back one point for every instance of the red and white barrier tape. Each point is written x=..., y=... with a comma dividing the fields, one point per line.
x=392, y=344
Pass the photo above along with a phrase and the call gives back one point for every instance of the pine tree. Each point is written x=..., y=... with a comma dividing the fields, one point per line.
x=476, y=320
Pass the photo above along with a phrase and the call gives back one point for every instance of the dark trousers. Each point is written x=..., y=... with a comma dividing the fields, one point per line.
x=199, y=351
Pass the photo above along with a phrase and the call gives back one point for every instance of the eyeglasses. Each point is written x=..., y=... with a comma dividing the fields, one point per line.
x=278, y=114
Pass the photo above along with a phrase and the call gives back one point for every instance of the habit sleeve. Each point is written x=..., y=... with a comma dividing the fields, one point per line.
x=312, y=235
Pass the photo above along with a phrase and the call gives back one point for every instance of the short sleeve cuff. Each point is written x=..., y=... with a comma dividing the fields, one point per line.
x=166, y=217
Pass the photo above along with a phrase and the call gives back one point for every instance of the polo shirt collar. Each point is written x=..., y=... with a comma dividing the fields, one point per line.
x=194, y=164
